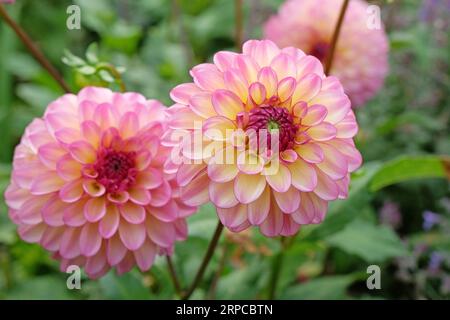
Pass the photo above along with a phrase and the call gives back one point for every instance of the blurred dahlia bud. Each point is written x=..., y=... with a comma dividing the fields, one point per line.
x=265, y=136
x=361, y=57
x=87, y=183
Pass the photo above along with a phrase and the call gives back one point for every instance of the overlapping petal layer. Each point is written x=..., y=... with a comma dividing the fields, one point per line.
x=302, y=152
x=88, y=183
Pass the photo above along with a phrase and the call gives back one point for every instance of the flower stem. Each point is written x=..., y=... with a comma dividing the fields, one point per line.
x=173, y=275
x=276, y=269
x=215, y=281
x=337, y=30
x=34, y=50
x=239, y=30
x=209, y=253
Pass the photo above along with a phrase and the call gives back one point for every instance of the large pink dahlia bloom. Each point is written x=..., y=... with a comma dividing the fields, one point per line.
x=303, y=151
x=88, y=185
x=361, y=57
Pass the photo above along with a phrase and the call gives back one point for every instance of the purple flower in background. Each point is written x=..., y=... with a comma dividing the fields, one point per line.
x=434, y=265
x=7, y=1
x=390, y=214
x=431, y=9
x=430, y=219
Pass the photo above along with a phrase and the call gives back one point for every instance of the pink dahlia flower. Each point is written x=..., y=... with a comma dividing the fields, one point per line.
x=87, y=183
x=361, y=57
x=275, y=139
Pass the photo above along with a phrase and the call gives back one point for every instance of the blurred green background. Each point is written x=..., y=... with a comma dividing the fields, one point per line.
x=398, y=212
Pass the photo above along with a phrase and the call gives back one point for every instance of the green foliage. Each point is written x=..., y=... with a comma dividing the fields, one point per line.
x=404, y=137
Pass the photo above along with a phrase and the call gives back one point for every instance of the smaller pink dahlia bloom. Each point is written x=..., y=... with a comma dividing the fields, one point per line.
x=361, y=57
x=88, y=183
x=265, y=136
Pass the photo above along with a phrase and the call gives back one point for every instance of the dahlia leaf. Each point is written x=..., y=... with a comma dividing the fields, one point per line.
x=408, y=168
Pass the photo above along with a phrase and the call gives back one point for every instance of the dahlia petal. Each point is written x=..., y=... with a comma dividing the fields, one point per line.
x=227, y=104
x=167, y=213
x=306, y=212
x=145, y=255
x=320, y=208
x=262, y=51
x=15, y=197
x=273, y=224
x=115, y=251
x=315, y=115
x=289, y=155
x=69, y=247
x=161, y=195
x=132, y=235
x=95, y=209
x=53, y=211
x=126, y=264
x=222, y=172
x=334, y=164
x=197, y=192
x=110, y=222
x=259, y=209
x=284, y=66
x=183, y=92
x=90, y=240
x=50, y=153
x=129, y=125
x=217, y=128
x=307, y=65
x=46, y=183
x=236, y=83
x=149, y=179
x=68, y=168
x=32, y=233
x=348, y=149
x=247, y=188
x=322, y=132
x=250, y=163
x=248, y=67
x=269, y=79
x=105, y=116
x=310, y=152
x=51, y=238
x=326, y=188
x=290, y=227
x=83, y=152
x=307, y=88
x=140, y=196
x=143, y=160
x=257, y=92
x=304, y=177
x=73, y=215
x=91, y=132
x=288, y=201
x=347, y=128
x=281, y=180
x=202, y=105
x=96, y=263
x=224, y=60
x=233, y=217
x=71, y=191
x=222, y=194
x=133, y=213
x=161, y=233
x=286, y=88
x=207, y=77
x=185, y=118
x=338, y=105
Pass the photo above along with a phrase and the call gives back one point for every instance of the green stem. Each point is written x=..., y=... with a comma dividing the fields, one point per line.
x=277, y=265
x=173, y=276
x=209, y=253
x=34, y=50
